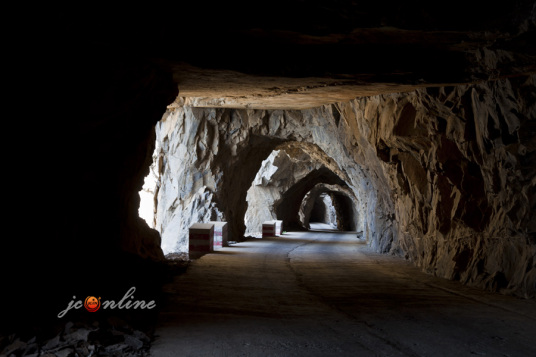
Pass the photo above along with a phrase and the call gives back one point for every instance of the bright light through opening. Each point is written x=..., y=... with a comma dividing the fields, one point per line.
x=146, y=209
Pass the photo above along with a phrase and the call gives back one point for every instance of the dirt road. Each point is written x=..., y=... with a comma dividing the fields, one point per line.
x=327, y=294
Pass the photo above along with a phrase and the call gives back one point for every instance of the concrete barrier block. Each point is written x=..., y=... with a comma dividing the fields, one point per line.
x=201, y=237
x=278, y=228
x=268, y=229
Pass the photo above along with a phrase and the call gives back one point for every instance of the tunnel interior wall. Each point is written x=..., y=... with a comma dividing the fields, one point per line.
x=323, y=211
x=287, y=168
x=459, y=161
x=216, y=153
x=444, y=175
x=345, y=214
x=345, y=209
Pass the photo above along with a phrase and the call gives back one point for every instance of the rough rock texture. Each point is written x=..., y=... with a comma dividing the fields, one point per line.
x=460, y=164
x=293, y=54
x=343, y=203
x=324, y=53
x=442, y=175
x=191, y=187
x=112, y=338
x=284, y=170
x=434, y=58
x=228, y=155
x=461, y=160
x=277, y=173
x=324, y=212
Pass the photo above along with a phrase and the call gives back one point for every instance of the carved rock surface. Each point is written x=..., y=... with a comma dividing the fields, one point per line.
x=443, y=176
x=271, y=195
x=343, y=213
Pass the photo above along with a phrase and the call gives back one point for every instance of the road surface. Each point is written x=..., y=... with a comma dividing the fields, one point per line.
x=328, y=294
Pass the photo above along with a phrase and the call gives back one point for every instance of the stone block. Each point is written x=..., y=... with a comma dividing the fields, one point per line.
x=201, y=238
x=268, y=229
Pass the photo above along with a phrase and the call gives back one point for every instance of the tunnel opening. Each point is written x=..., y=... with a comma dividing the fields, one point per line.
x=283, y=177
x=323, y=213
x=201, y=172
x=333, y=206
x=147, y=207
x=290, y=203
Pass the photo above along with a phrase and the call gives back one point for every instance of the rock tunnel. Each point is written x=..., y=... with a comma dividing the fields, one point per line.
x=408, y=165
x=331, y=204
x=420, y=131
x=214, y=179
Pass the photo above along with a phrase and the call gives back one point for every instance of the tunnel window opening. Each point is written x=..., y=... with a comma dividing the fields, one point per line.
x=146, y=209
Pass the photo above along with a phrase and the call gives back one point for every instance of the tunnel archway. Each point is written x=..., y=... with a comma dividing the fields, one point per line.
x=289, y=206
x=233, y=191
x=345, y=207
x=210, y=157
x=323, y=211
x=290, y=164
x=207, y=158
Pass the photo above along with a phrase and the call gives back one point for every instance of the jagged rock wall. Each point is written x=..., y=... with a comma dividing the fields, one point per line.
x=208, y=159
x=285, y=168
x=460, y=164
x=444, y=176
x=277, y=173
x=183, y=193
x=261, y=195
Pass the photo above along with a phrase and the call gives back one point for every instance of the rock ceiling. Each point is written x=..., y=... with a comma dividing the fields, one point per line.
x=296, y=55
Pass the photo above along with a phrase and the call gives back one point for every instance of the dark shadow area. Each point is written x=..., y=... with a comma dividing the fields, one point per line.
x=346, y=211
x=35, y=316
x=272, y=25
x=289, y=206
x=319, y=211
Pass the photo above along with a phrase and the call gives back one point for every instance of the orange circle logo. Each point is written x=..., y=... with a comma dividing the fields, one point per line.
x=92, y=304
